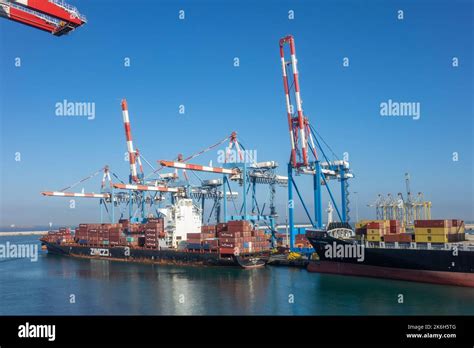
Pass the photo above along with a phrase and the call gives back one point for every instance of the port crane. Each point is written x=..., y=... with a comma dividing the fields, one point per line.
x=247, y=175
x=306, y=150
x=53, y=16
x=108, y=199
x=406, y=210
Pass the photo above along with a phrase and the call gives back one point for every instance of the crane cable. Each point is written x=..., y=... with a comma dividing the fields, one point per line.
x=82, y=180
x=194, y=155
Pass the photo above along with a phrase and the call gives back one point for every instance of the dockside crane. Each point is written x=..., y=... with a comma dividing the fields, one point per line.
x=247, y=175
x=107, y=197
x=406, y=210
x=53, y=16
x=305, y=150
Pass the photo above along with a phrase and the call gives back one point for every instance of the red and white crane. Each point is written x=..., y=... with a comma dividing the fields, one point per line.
x=132, y=154
x=298, y=124
x=64, y=193
x=146, y=187
x=53, y=16
x=197, y=167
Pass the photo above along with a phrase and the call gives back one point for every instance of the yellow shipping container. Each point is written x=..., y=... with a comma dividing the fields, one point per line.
x=374, y=238
x=426, y=238
x=363, y=223
x=437, y=231
x=375, y=232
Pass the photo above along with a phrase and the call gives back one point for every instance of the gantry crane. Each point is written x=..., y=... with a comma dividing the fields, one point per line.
x=306, y=148
x=404, y=210
x=53, y=16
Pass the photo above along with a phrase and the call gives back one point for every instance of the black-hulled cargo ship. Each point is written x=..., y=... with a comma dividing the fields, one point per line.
x=449, y=264
x=235, y=243
x=144, y=255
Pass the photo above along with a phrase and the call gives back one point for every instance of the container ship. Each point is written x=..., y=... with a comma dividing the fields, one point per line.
x=435, y=252
x=236, y=243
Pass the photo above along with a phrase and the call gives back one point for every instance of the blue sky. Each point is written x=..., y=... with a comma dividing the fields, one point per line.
x=190, y=62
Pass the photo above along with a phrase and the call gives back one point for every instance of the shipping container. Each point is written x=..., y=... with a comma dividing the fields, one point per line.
x=425, y=238
x=226, y=251
x=375, y=232
x=193, y=236
x=194, y=246
x=432, y=223
x=226, y=234
x=439, y=231
x=400, y=237
x=374, y=238
x=221, y=227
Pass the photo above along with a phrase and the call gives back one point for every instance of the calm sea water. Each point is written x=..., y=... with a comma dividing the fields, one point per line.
x=101, y=287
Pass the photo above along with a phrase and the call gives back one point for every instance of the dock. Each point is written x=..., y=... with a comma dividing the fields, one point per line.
x=282, y=260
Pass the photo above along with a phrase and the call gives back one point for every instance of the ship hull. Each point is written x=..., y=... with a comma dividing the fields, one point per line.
x=420, y=265
x=351, y=269
x=143, y=255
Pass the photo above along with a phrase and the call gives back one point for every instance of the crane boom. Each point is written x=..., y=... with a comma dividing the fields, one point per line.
x=196, y=167
x=74, y=194
x=53, y=16
x=146, y=188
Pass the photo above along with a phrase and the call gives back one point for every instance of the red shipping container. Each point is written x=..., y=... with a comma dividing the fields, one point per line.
x=400, y=237
x=432, y=223
x=394, y=229
x=221, y=227
x=226, y=234
x=239, y=229
x=374, y=225
x=232, y=240
x=240, y=223
x=193, y=236
x=394, y=223
x=226, y=250
x=229, y=244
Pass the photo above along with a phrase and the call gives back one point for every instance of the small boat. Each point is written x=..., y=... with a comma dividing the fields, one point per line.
x=250, y=263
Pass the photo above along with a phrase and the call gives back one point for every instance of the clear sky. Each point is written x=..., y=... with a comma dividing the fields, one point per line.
x=190, y=62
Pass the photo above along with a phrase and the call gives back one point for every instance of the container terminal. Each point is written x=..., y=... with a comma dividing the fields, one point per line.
x=166, y=214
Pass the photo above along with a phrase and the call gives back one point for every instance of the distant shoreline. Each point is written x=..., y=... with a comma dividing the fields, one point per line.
x=23, y=233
